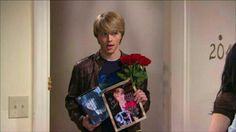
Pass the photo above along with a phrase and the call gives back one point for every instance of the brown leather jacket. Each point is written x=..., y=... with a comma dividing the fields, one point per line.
x=84, y=77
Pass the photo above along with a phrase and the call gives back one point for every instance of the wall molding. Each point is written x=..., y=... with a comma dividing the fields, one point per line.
x=41, y=66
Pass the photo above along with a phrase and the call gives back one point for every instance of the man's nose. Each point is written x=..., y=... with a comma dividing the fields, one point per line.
x=109, y=37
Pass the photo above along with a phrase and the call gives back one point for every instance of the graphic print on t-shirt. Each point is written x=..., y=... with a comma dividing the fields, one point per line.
x=107, y=75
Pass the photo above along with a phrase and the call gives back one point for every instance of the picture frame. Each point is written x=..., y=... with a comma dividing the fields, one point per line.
x=123, y=110
x=93, y=105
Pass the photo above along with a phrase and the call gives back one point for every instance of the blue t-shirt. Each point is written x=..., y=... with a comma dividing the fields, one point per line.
x=108, y=74
x=107, y=77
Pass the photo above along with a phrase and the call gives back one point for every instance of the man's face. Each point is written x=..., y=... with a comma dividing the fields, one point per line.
x=109, y=42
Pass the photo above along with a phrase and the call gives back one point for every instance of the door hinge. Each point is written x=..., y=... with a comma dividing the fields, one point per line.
x=49, y=83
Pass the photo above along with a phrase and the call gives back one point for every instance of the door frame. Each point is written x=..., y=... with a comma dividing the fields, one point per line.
x=41, y=66
x=179, y=80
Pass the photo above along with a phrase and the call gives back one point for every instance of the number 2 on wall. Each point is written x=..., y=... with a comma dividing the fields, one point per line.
x=218, y=51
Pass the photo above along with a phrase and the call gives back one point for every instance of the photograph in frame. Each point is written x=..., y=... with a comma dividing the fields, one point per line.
x=123, y=110
x=93, y=105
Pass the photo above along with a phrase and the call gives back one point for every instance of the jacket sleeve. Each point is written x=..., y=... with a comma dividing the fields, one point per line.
x=146, y=106
x=74, y=109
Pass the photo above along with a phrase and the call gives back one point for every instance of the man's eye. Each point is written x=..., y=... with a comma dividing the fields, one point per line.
x=114, y=33
x=104, y=34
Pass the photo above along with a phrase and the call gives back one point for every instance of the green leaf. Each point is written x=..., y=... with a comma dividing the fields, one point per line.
x=126, y=70
x=122, y=76
x=139, y=74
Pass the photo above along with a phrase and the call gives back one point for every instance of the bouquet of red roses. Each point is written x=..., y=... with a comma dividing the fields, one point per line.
x=134, y=68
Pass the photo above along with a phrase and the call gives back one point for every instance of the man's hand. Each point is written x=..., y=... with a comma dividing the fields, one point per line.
x=140, y=96
x=86, y=123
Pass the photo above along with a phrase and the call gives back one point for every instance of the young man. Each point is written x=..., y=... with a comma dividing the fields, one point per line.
x=109, y=29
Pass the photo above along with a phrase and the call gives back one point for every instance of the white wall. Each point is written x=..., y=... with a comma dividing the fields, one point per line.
x=199, y=77
x=177, y=65
x=16, y=60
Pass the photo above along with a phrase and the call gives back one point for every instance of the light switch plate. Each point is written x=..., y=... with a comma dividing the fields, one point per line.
x=18, y=107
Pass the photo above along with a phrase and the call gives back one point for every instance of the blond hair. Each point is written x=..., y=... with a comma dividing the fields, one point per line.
x=109, y=22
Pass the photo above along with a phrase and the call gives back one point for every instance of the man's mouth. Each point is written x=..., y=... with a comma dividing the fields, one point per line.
x=110, y=45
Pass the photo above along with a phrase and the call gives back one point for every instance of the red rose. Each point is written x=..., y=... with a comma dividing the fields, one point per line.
x=135, y=58
x=126, y=60
x=144, y=61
